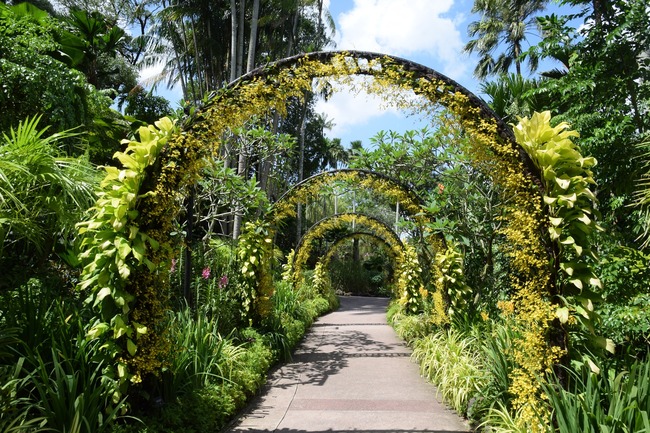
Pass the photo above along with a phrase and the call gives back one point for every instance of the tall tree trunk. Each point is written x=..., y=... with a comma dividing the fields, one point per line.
x=240, y=39
x=242, y=165
x=213, y=76
x=242, y=172
x=197, y=62
x=233, y=40
x=252, y=41
x=294, y=31
x=268, y=161
x=188, y=70
x=301, y=165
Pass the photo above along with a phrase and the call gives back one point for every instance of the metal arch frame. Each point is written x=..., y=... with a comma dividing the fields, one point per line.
x=314, y=226
x=419, y=70
x=330, y=251
x=362, y=172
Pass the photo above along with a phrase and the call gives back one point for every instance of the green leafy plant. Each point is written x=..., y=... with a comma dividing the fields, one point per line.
x=451, y=283
x=253, y=251
x=70, y=396
x=114, y=246
x=453, y=363
x=572, y=214
x=612, y=402
x=43, y=192
x=199, y=355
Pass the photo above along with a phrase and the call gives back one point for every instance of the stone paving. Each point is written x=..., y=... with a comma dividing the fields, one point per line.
x=350, y=374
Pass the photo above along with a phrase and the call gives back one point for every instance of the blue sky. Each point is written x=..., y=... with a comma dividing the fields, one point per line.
x=430, y=32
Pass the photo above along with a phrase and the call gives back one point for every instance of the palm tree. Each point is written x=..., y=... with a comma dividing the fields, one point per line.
x=513, y=96
x=503, y=23
x=336, y=153
x=42, y=192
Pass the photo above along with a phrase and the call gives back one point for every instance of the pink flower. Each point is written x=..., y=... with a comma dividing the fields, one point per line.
x=206, y=273
x=223, y=281
x=173, y=268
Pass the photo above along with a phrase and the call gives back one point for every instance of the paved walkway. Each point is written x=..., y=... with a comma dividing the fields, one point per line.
x=351, y=373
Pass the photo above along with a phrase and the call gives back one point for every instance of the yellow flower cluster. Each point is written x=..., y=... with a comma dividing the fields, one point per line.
x=362, y=222
x=490, y=148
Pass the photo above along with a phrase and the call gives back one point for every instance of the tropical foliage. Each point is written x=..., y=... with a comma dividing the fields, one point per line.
x=148, y=294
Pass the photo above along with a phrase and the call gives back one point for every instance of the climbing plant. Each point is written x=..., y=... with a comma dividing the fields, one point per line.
x=254, y=250
x=409, y=290
x=115, y=248
x=361, y=221
x=453, y=296
x=311, y=188
x=127, y=281
x=572, y=213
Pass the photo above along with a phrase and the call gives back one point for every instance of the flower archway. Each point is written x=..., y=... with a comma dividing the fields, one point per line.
x=337, y=221
x=311, y=187
x=338, y=243
x=129, y=235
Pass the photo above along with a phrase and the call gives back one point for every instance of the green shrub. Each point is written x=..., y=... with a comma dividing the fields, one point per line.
x=494, y=345
x=248, y=371
x=72, y=395
x=411, y=328
x=453, y=363
x=608, y=402
x=198, y=356
x=625, y=312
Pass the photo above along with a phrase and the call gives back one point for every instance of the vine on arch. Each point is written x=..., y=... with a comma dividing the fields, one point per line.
x=177, y=160
x=319, y=229
x=309, y=189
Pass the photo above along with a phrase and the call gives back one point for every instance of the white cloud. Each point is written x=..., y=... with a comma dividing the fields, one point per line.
x=348, y=110
x=407, y=28
x=425, y=31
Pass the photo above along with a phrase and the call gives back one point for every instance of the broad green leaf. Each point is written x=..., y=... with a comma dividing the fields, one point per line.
x=138, y=249
x=562, y=182
x=139, y=328
x=549, y=200
x=592, y=366
x=121, y=370
x=576, y=282
x=568, y=240
x=96, y=331
x=554, y=232
x=130, y=346
x=595, y=281
x=562, y=314
x=120, y=328
x=123, y=247
x=104, y=292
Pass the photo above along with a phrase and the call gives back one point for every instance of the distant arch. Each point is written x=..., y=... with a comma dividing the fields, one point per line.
x=319, y=229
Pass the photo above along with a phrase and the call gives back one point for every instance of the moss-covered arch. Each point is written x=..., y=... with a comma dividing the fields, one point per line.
x=320, y=228
x=129, y=235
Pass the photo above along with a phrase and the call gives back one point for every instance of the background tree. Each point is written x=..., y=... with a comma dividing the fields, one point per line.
x=500, y=34
x=608, y=108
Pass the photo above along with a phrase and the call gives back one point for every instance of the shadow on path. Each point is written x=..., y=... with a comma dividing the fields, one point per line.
x=350, y=374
